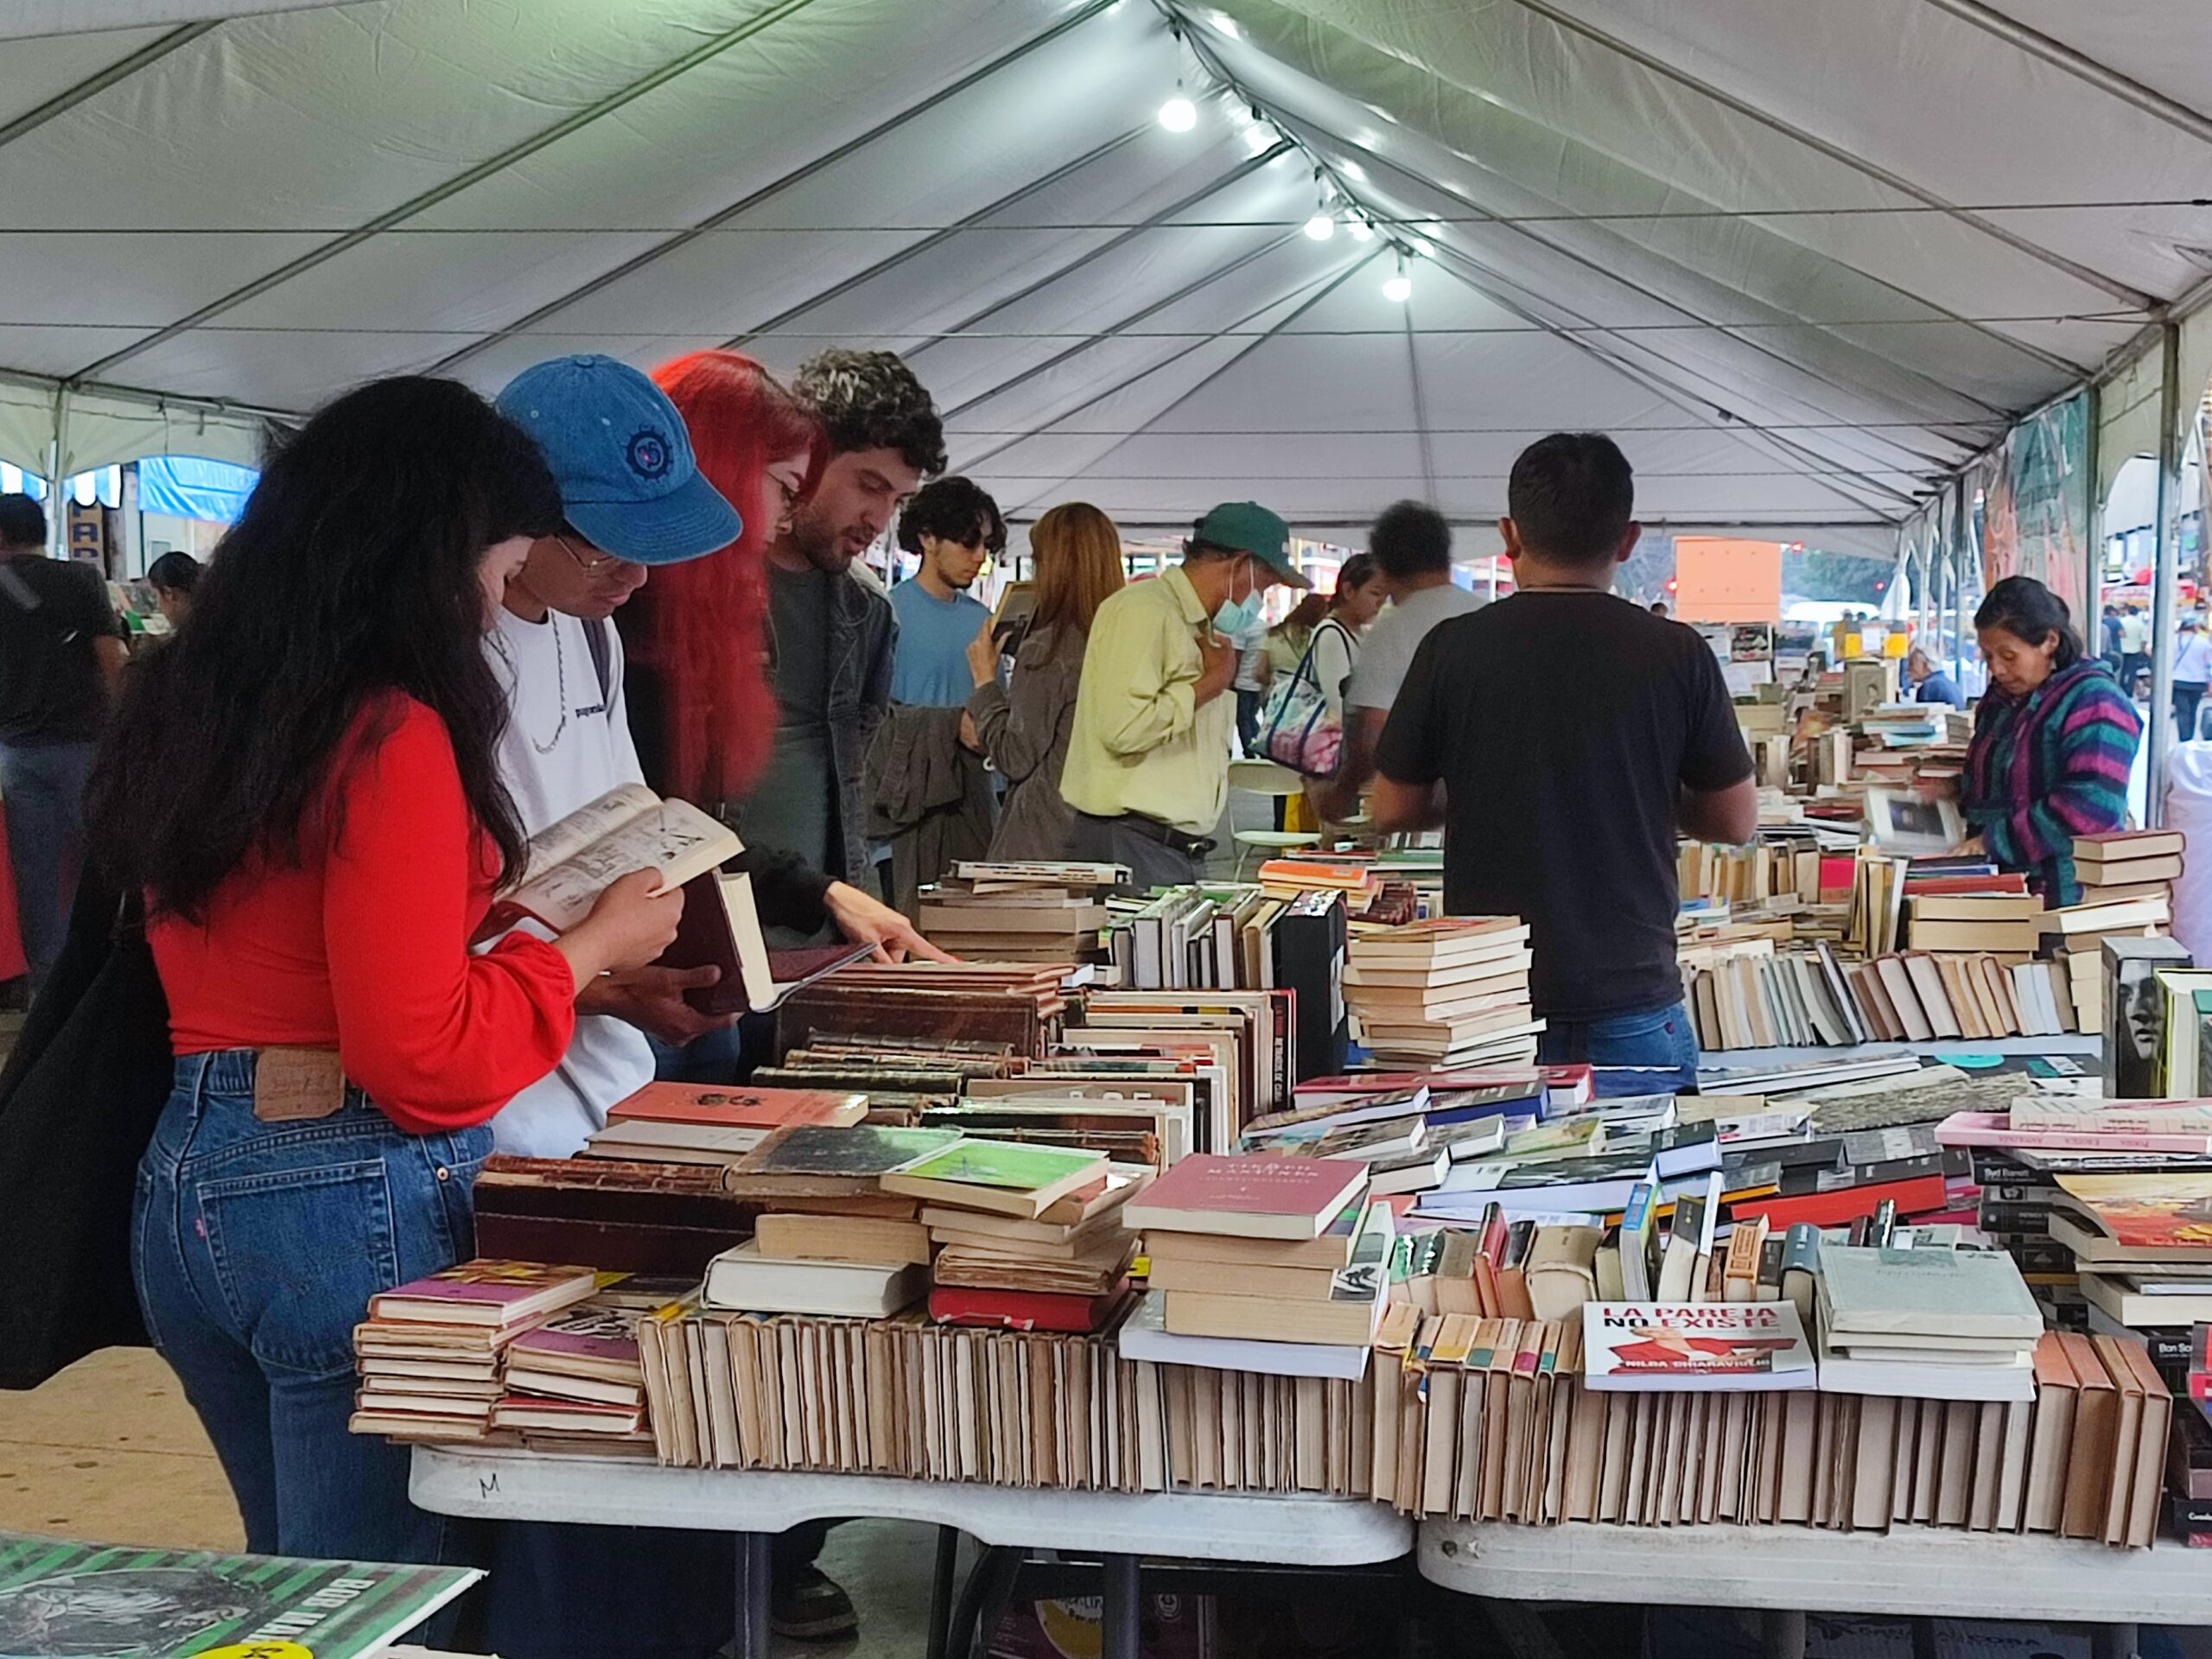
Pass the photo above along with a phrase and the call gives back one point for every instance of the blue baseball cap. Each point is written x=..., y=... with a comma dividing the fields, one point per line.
x=620, y=452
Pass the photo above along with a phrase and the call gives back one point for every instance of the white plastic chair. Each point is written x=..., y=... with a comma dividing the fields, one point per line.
x=1271, y=782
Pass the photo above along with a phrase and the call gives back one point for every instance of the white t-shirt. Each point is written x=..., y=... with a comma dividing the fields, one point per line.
x=557, y=754
x=1387, y=652
x=1335, y=650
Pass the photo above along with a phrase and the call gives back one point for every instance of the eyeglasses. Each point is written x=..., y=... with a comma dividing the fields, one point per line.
x=589, y=567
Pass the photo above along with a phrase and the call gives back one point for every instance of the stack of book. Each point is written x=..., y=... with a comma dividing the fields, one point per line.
x=431, y=1352
x=575, y=1380
x=2007, y=923
x=2126, y=867
x=829, y=1240
x=1449, y=991
x=1926, y=1323
x=679, y=1124
x=1027, y=1237
x=1355, y=877
x=1750, y=999
x=1283, y=1259
x=2142, y=1249
x=1050, y=912
x=1019, y=1004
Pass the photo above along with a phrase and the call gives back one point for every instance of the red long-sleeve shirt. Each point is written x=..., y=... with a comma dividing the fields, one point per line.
x=365, y=946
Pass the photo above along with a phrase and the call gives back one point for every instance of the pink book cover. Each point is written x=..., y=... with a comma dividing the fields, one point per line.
x=1253, y=1184
x=589, y=1333
x=489, y=1283
x=752, y=1109
x=1994, y=1129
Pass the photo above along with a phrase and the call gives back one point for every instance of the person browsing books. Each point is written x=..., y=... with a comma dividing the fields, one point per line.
x=1412, y=546
x=1929, y=683
x=951, y=526
x=303, y=784
x=1560, y=804
x=1147, y=765
x=632, y=499
x=2054, y=740
x=1024, y=725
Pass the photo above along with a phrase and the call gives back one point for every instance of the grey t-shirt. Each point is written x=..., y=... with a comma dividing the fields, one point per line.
x=1386, y=651
x=792, y=807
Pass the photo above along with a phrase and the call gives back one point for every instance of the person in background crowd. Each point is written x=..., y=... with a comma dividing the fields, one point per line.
x=700, y=706
x=304, y=786
x=1287, y=639
x=1412, y=546
x=1334, y=646
x=173, y=578
x=951, y=526
x=1563, y=808
x=1148, y=762
x=2192, y=671
x=1024, y=727
x=831, y=634
x=1659, y=609
x=1254, y=670
x=1929, y=683
x=631, y=499
x=2109, y=633
x=2054, y=739
x=62, y=651
x=2134, y=648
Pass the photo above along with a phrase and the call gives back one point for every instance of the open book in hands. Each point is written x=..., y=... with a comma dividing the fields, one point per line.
x=572, y=862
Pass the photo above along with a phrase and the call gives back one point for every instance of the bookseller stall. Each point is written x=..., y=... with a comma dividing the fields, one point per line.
x=1106, y=1250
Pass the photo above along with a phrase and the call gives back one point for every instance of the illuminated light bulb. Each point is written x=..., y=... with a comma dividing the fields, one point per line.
x=1362, y=230
x=1178, y=114
x=1321, y=227
x=1398, y=289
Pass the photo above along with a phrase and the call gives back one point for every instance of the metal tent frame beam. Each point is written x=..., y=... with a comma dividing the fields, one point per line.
x=2081, y=67
x=92, y=86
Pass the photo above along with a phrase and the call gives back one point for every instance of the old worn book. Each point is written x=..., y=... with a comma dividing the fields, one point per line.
x=485, y=1292
x=744, y=1279
x=1253, y=1197
x=1330, y=1249
x=1348, y=1315
x=1003, y=1176
x=1074, y=1314
x=2093, y=1451
x=570, y=863
x=1092, y=1275
x=813, y=1161
x=1899, y=1293
x=784, y=1235
x=686, y=1105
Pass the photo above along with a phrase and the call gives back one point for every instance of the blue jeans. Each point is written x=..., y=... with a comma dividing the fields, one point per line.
x=44, y=786
x=1662, y=1041
x=257, y=1247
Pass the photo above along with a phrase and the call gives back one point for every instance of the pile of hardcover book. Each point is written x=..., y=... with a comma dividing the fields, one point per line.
x=1050, y=912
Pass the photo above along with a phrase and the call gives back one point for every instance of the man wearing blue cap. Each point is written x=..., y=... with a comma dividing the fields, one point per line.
x=633, y=499
x=1147, y=765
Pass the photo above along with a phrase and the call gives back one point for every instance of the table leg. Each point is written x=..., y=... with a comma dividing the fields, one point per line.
x=2114, y=1641
x=1118, y=1631
x=1781, y=1633
x=754, y=1572
x=948, y=1558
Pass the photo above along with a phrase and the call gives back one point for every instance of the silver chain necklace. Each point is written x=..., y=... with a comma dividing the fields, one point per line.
x=560, y=681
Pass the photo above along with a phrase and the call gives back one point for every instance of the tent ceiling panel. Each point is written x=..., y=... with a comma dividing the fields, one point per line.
x=2163, y=47
x=34, y=73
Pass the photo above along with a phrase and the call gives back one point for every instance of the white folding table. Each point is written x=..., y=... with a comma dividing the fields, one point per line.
x=1786, y=1571
x=1300, y=1530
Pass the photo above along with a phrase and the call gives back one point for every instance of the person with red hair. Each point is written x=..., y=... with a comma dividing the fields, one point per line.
x=702, y=710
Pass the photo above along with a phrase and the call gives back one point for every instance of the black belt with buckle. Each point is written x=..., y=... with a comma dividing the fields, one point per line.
x=1166, y=834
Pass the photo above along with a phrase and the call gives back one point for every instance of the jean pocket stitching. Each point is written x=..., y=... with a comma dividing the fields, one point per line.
x=291, y=1138
x=379, y=1244
x=141, y=1227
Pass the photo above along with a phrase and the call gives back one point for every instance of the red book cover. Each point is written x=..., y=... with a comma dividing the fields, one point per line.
x=1026, y=1310
x=1923, y=1192
x=744, y=1109
x=1255, y=1196
x=2007, y=882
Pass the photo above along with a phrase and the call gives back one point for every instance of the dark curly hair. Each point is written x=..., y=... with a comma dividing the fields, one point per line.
x=1410, y=539
x=870, y=400
x=954, y=509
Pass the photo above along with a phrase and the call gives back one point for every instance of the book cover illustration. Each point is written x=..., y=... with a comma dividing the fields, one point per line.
x=590, y=1332
x=2149, y=1211
x=93, y=1601
x=862, y=1150
x=678, y=1102
x=1634, y=1344
x=489, y=1282
x=1013, y=1165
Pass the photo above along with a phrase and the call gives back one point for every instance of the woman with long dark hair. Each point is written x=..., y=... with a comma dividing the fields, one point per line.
x=303, y=787
x=2054, y=739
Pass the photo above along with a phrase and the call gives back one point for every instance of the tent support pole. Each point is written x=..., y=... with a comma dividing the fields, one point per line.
x=1766, y=118
x=745, y=204
x=1420, y=406
x=1962, y=528
x=1234, y=358
x=2165, y=583
x=57, y=495
x=2081, y=67
x=92, y=86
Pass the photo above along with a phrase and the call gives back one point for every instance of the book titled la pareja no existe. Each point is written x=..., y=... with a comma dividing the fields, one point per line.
x=1698, y=1346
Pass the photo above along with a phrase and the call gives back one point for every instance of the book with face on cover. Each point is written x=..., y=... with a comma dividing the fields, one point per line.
x=1253, y=1197
x=485, y=1292
x=1696, y=1346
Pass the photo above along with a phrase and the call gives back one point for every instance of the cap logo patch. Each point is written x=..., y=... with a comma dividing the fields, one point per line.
x=649, y=456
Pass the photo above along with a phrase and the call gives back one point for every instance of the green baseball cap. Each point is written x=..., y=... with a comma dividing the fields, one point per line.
x=1250, y=528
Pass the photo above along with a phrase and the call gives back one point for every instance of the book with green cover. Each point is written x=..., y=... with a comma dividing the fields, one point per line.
x=1005, y=1177
x=98, y=1601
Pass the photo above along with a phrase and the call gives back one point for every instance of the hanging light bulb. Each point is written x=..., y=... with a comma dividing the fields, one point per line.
x=1178, y=114
x=1322, y=225
x=1362, y=230
x=1398, y=288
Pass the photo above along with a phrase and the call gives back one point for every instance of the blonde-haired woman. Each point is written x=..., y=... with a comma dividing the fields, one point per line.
x=1023, y=725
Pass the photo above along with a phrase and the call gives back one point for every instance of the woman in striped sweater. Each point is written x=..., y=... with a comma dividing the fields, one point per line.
x=2054, y=739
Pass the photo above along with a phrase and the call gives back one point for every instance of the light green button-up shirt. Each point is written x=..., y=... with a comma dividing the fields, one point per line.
x=1141, y=742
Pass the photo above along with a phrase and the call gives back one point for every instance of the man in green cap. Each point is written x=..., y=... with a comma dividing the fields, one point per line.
x=1147, y=765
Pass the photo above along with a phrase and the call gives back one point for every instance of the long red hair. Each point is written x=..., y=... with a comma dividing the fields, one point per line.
x=694, y=634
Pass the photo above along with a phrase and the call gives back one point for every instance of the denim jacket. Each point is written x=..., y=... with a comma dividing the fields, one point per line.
x=864, y=634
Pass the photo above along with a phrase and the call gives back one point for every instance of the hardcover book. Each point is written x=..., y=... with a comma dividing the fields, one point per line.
x=485, y=1292
x=749, y=1109
x=1253, y=1197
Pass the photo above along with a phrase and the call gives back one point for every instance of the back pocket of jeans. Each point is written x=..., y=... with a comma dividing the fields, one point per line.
x=297, y=1254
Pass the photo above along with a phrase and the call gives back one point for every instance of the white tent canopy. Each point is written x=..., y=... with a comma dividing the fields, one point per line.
x=1803, y=257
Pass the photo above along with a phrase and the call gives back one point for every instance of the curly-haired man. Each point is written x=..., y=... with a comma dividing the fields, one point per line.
x=830, y=631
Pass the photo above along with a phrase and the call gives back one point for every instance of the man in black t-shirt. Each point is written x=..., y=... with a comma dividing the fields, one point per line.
x=1572, y=734
x=61, y=656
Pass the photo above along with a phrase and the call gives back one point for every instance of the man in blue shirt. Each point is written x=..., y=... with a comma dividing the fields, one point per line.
x=951, y=526
x=1929, y=683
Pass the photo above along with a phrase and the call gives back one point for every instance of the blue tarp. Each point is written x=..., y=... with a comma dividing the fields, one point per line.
x=185, y=487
